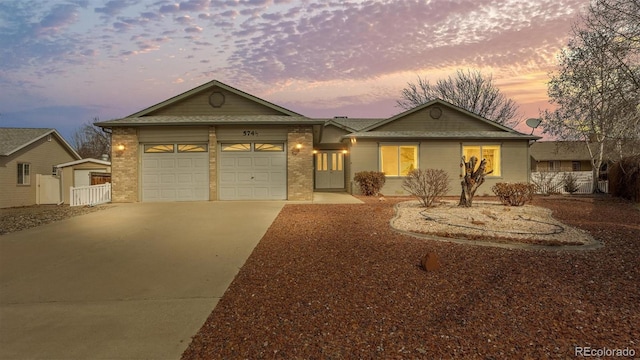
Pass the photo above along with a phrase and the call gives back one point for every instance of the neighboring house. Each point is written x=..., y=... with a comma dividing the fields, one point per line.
x=560, y=156
x=79, y=173
x=26, y=157
x=216, y=142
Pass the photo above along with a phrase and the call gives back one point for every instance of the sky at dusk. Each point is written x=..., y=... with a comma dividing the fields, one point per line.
x=64, y=63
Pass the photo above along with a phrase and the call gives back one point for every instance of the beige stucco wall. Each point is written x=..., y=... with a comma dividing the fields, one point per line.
x=331, y=135
x=42, y=156
x=198, y=104
x=450, y=120
x=124, y=165
x=445, y=155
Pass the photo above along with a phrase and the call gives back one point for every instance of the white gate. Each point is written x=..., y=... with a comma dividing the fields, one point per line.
x=90, y=195
x=48, y=189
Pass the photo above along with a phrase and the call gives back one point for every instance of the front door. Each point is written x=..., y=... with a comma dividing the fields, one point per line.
x=329, y=169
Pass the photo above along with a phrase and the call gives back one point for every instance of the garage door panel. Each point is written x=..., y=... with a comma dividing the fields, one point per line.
x=278, y=177
x=167, y=163
x=185, y=179
x=167, y=179
x=226, y=162
x=262, y=162
x=244, y=162
x=227, y=178
x=175, y=176
x=244, y=177
x=150, y=164
x=262, y=177
x=253, y=175
x=150, y=180
x=279, y=162
x=185, y=163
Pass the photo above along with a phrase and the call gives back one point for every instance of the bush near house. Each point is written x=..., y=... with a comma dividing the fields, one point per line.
x=515, y=194
x=624, y=178
x=370, y=182
x=570, y=183
x=427, y=185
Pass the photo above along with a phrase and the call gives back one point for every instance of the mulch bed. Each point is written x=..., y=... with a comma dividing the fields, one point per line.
x=335, y=281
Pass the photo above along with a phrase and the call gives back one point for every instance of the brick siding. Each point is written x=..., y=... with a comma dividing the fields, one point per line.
x=300, y=165
x=124, y=165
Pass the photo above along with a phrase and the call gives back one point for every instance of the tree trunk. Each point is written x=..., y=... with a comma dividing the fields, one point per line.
x=471, y=180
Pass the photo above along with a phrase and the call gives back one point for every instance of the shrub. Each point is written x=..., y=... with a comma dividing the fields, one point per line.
x=570, y=183
x=370, y=182
x=426, y=184
x=516, y=194
x=624, y=178
x=545, y=182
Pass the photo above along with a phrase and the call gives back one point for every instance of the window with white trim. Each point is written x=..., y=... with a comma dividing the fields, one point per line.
x=24, y=174
x=489, y=152
x=398, y=160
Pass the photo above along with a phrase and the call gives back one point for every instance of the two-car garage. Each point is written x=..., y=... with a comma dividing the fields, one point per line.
x=175, y=166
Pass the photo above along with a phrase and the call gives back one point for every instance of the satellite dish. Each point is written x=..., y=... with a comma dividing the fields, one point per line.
x=533, y=123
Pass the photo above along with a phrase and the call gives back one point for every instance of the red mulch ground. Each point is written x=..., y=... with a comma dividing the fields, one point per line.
x=334, y=282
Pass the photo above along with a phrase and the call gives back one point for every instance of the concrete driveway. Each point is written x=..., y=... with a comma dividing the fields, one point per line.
x=134, y=281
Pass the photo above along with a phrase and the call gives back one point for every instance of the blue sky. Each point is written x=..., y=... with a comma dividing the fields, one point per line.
x=64, y=63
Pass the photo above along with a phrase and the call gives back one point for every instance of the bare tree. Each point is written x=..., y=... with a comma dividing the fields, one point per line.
x=470, y=90
x=472, y=179
x=596, y=88
x=91, y=141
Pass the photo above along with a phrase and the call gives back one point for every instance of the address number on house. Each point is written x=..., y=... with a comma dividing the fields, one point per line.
x=249, y=133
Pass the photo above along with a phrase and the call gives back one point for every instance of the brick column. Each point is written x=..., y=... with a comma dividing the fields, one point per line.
x=213, y=165
x=124, y=165
x=300, y=165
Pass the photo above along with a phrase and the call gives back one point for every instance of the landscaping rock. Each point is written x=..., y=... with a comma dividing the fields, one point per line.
x=430, y=262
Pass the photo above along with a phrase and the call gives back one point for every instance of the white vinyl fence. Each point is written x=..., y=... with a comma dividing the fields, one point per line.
x=90, y=195
x=550, y=182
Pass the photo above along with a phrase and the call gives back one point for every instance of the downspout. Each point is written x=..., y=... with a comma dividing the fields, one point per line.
x=61, y=171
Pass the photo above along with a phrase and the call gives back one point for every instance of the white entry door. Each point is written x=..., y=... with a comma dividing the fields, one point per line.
x=253, y=171
x=329, y=169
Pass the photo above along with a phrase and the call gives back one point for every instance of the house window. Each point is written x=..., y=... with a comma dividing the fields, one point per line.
x=554, y=165
x=575, y=166
x=398, y=160
x=160, y=148
x=491, y=153
x=24, y=174
x=182, y=148
x=269, y=147
x=236, y=147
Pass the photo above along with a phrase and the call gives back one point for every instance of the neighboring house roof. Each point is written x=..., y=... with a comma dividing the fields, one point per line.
x=15, y=139
x=470, y=135
x=443, y=103
x=210, y=120
x=209, y=85
x=82, y=161
x=559, y=150
x=349, y=124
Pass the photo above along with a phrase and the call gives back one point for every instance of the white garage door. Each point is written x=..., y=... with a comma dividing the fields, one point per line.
x=253, y=171
x=175, y=172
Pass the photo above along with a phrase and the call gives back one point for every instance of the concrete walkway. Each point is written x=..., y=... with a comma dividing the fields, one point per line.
x=134, y=281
